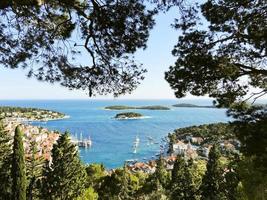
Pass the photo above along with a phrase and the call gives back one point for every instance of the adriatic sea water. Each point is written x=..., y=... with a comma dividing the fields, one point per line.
x=113, y=139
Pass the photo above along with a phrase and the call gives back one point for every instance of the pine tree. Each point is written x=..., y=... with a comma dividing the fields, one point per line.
x=65, y=177
x=158, y=193
x=5, y=163
x=161, y=173
x=159, y=180
x=182, y=183
x=18, y=170
x=124, y=192
x=211, y=187
x=34, y=171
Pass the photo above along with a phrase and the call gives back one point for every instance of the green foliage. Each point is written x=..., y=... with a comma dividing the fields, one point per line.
x=158, y=193
x=223, y=55
x=89, y=194
x=29, y=113
x=95, y=175
x=188, y=105
x=156, y=184
x=126, y=115
x=161, y=173
x=183, y=185
x=5, y=163
x=18, y=171
x=34, y=165
x=212, y=183
x=211, y=132
x=253, y=182
x=65, y=177
x=121, y=184
x=110, y=31
x=251, y=130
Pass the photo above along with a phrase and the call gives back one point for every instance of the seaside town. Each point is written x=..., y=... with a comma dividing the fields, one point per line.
x=42, y=138
x=189, y=147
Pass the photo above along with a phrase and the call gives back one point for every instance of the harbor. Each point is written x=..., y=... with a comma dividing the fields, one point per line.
x=82, y=142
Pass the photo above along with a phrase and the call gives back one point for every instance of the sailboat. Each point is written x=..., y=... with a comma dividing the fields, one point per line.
x=136, y=144
x=89, y=142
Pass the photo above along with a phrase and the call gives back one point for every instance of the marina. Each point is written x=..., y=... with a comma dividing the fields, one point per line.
x=82, y=142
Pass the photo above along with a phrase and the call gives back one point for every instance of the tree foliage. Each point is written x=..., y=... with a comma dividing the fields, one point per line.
x=65, y=177
x=5, y=163
x=251, y=130
x=18, y=171
x=182, y=184
x=49, y=37
x=34, y=164
x=212, y=183
x=222, y=51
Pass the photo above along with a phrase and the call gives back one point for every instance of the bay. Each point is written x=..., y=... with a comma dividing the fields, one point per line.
x=113, y=139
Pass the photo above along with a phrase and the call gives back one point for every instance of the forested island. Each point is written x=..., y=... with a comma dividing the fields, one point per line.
x=128, y=115
x=122, y=107
x=188, y=105
x=30, y=114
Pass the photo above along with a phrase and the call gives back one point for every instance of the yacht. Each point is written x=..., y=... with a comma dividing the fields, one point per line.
x=136, y=144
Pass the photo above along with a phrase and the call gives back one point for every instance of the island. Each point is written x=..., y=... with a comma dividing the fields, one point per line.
x=188, y=105
x=29, y=114
x=128, y=115
x=122, y=107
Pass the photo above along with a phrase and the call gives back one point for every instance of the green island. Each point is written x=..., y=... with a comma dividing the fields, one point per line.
x=188, y=105
x=30, y=114
x=128, y=115
x=122, y=107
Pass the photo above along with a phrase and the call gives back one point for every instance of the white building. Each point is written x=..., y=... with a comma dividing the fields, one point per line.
x=179, y=148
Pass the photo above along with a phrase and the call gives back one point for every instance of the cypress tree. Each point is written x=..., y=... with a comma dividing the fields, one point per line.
x=18, y=170
x=65, y=177
x=211, y=187
x=5, y=163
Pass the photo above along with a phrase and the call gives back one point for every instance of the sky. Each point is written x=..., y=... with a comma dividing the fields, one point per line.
x=156, y=59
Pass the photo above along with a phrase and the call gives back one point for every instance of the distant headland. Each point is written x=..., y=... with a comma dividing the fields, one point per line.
x=122, y=107
x=30, y=114
x=188, y=105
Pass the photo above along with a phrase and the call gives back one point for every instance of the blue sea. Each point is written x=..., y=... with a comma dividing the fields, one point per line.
x=113, y=139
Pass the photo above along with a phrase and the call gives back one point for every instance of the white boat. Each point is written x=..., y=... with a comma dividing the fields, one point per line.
x=150, y=140
x=136, y=144
x=84, y=142
x=89, y=141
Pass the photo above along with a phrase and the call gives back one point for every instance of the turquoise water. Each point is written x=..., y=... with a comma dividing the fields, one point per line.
x=113, y=139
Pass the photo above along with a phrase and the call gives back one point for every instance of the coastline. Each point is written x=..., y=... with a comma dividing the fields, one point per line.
x=132, y=118
x=49, y=119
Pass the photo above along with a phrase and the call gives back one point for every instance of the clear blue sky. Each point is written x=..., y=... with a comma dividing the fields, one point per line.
x=156, y=59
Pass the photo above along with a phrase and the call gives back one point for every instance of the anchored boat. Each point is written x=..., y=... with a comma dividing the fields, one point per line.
x=136, y=144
